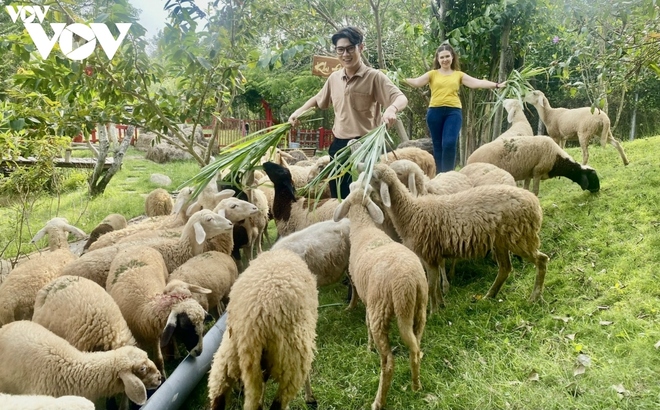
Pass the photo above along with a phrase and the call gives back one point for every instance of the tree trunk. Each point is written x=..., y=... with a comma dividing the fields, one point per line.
x=100, y=180
x=502, y=74
x=375, y=7
x=633, y=119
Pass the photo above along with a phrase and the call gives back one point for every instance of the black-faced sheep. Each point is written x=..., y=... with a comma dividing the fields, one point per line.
x=152, y=307
x=535, y=157
x=291, y=213
x=271, y=332
x=37, y=361
x=467, y=224
x=390, y=280
x=580, y=124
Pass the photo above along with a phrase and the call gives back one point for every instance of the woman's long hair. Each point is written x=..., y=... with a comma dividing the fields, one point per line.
x=454, y=58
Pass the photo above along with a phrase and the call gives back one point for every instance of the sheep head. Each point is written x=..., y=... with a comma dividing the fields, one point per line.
x=280, y=176
x=137, y=373
x=536, y=98
x=186, y=320
x=359, y=197
x=590, y=180
x=512, y=106
x=207, y=224
x=236, y=210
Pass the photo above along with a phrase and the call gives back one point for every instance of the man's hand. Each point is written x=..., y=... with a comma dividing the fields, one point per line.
x=389, y=116
x=293, y=119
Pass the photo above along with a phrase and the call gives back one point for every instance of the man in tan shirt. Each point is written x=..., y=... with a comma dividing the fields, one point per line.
x=357, y=93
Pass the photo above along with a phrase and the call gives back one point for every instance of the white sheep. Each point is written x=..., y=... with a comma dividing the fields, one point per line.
x=211, y=270
x=117, y=221
x=112, y=222
x=39, y=402
x=256, y=224
x=19, y=289
x=390, y=280
x=537, y=158
x=158, y=202
x=291, y=213
x=271, y=326
x=83, y=313
x=418, y=183
x=468, y=224
x=324, y=246
x=481, y=173
x=580, y=124
x=37, y=361
x=201, y=226
x=58, y=230
x=516, y=117
x=414, y=154
x=153, y=308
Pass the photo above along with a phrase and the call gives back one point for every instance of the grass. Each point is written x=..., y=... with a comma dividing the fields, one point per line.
x=601, y=300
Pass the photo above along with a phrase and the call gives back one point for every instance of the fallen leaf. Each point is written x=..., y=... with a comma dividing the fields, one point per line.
x=657, y=345
x=572, y=336
x=430, y=398
x=603, y=307
x=605, y=323
x=448, y=364
x=602, y=271
x=620, y=389
x=563, y=319
x=533, y=376
x=584, y=359
x=579, y=369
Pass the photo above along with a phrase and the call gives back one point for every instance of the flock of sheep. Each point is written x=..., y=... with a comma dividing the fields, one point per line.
x=96, y=325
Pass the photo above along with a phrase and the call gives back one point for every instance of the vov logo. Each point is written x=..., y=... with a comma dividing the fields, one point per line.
x=64, y=34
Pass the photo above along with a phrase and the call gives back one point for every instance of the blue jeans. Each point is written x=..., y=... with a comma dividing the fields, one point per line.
x=445, y=125
x=343, y=185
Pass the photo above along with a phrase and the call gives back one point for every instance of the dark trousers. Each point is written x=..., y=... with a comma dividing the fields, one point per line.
x=345, y=181
x=445, y=125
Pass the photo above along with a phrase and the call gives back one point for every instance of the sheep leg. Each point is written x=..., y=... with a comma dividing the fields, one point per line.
x=443, y=278
x=288, y=388
x=369, y=335
x=380, y=333
x=310, y=400
x=410, y=339
x=153, y=351
x=584, y=144
x=541, y=262
x=254, y=385
x=436, y=299
x=526, y=183
x=504, y=265
x=619, y=148
x=537, y=184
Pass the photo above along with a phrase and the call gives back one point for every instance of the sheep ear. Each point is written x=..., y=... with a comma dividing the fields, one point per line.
x=192, y=208
x=199, y=289
x=169, y=329
x=134, y=387
x=540, y=100
x=39, y=235
x=76, y=231
x=385, y=194
x=375, y=212
x=178, y=205
x=341, y=211
x=224, y=194
x=411, y=184
x=509, y=117
x=222, y=212
x=200, y=233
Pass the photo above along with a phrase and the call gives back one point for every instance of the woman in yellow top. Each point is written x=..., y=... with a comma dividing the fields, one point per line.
x=444, y=116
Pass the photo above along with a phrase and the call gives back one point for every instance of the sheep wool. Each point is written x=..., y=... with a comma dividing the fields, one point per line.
x=580, y=124
x=467, y=225
x=535, y=157
x=516, y=117
x=481, y=173
x=35, y=402
x=83, y=313
x=37, y=361
x=158, y=202
x=390, y=280
x=271, y=327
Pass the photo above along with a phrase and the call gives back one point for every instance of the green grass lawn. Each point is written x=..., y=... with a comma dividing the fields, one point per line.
x=601, y=300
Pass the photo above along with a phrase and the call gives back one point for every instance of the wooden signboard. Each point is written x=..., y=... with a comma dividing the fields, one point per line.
x=323, y=66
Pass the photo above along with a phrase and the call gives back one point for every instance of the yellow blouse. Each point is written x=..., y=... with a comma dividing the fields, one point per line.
x=444, y=89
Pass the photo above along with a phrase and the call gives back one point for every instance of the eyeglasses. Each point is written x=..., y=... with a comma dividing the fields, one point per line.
x=349, y=49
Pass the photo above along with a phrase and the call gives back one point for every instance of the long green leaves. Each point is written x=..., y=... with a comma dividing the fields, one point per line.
x=242, y=155
x=354, y=158
x=517, y=85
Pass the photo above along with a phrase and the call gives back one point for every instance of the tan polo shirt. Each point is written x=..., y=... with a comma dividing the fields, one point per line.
x=358, y=101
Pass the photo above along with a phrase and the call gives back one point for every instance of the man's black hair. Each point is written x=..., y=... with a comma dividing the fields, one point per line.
x=353, y=34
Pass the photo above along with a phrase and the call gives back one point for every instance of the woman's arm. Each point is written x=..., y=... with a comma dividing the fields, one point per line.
x=472, y=82
x=420, y=81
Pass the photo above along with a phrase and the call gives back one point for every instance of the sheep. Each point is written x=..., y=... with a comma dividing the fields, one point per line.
x=481, y=173
x=201, y=226
x=117, y=221
x=535, y=157
x=19, y=289
x=39, y=402
x=296, y=156
x=418, y=183
x=58, y=230
x=414, y=154
x=83, y=313
x=256, y=224
x=324, y=246
x=138, y=283
x=291, y=213
x=158, y=202
x=112, y=222
x=211, y=270
x=271, y=332
x=238, y=212
x=5, y=269
x=390, y=280
x=580, y=124
x=467, y=224
x=516, y=117
x=37, y=361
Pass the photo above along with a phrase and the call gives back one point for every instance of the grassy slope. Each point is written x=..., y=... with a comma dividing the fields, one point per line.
x=603, y=251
